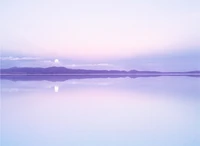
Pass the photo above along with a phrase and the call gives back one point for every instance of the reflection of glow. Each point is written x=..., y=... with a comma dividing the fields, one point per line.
x=56, y=88
x=115, y=113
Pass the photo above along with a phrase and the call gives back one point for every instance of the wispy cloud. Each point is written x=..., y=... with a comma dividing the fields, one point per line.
x=89, y=65
x=11, y=58
x=28, y=61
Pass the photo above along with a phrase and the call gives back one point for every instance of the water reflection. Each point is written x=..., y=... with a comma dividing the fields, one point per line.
x=143, y=112
x=56, y=88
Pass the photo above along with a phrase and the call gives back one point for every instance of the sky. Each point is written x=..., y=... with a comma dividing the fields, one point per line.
x=99, y=30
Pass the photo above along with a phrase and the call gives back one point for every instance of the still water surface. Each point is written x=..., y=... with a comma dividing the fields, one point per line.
x=153, y=111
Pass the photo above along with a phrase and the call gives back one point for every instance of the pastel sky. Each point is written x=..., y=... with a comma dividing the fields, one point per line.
x=98, y=29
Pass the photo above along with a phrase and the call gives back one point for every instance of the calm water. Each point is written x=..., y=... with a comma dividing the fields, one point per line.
x=153, y=111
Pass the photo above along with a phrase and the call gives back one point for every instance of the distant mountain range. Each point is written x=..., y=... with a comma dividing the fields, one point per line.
x=67, y=71
x=62, y=74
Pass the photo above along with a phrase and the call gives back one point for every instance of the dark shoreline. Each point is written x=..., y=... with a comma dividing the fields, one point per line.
x=65, y=77
x=63, y=74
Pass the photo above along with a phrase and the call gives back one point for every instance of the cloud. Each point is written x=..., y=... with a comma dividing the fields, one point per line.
x=11, y=61
x=89, y=65
x=11, y=58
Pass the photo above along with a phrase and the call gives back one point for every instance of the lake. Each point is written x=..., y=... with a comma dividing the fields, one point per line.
x=144, y=111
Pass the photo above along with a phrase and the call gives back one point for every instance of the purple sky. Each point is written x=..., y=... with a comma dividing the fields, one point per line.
x=100, y=32
x=99, y=29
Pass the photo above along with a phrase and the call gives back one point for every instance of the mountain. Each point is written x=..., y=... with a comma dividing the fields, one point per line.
x=65, y=71
x=61, y=74
x=56, y=70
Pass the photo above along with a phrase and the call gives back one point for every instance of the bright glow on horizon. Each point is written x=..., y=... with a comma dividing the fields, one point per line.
x=99, y=29
x=56, y=61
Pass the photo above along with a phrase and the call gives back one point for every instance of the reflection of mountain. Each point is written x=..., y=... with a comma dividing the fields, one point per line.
x=55, y=78
x=62, y=74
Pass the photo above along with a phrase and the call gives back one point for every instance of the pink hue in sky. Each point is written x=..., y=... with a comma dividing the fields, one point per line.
x=98, y=29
